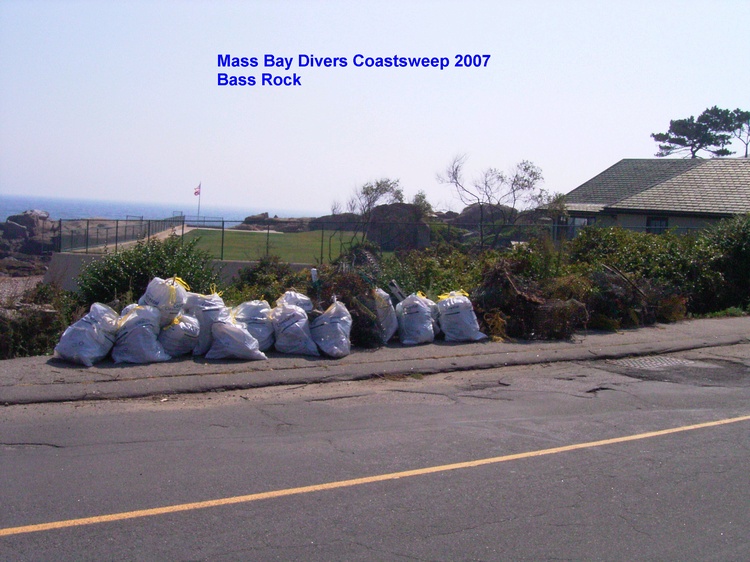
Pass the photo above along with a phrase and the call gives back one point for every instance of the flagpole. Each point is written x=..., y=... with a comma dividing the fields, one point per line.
x=198, y=193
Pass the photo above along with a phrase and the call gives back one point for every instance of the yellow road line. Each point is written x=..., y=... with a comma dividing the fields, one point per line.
x=353, y=482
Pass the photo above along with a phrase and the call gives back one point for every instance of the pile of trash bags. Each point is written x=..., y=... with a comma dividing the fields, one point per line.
x=170, y=321
x=421, y=320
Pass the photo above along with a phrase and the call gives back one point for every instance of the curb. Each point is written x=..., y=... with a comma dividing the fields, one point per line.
x=226, y=381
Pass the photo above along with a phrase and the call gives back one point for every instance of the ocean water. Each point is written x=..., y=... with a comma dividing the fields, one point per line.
x=91, y=208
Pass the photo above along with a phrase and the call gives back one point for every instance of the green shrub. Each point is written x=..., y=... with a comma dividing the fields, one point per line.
x=679, y=264
x=730, y=239
x=538, y=259
x=34, y=322
x=33, y=331
x=267, y=279
x=434, y=270
x=731, y=312
x=129, y=271
x=445, y=235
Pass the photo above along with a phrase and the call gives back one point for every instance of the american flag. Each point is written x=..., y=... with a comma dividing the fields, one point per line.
x=197, y=190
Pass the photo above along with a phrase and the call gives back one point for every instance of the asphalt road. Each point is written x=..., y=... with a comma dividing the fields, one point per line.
x=564, y=461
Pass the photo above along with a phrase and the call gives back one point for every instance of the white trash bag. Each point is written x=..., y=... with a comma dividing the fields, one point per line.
x=415, y=320
x=255, y=316
x=168, y=295
x=292, y=330
x=207, y=309
x=137, y=337
x=331, y=330
x=233, y=341
x=457, y=318
x=297, y=299
x=181, y=336
x=386, y=315
x=89, y=340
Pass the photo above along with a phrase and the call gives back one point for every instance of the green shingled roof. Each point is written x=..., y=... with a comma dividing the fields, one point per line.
x=718, y=186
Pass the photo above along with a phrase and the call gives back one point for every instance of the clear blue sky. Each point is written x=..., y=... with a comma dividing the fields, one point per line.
x=119, y=100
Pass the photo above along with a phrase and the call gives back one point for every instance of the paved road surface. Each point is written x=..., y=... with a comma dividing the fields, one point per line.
x=535, y=462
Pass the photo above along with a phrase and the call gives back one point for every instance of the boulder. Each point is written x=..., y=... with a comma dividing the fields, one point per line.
x=472, y=215
x=398, y=226
x=255, y=219
x=33, y=221
x=342, y=221
x=14, y=231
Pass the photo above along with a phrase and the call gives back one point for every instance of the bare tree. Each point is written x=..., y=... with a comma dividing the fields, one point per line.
x=523, y=191
x=499, y=197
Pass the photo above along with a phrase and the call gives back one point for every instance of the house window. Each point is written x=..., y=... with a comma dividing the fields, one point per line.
x=656, y=225
x=577, y=223
x=568, y=227
x=582, y=221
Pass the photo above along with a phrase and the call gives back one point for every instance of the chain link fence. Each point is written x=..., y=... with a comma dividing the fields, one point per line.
x=293, y=240
x=103, y=235
x=299, y=240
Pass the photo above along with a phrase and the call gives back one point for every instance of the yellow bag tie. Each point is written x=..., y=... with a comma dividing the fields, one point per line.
x=213, y=291
x=460, y=292
x=172, y=283
x=180, y=281
x=122, y=320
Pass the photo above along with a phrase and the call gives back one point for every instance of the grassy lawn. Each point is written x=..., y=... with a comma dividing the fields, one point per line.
x=300, y=247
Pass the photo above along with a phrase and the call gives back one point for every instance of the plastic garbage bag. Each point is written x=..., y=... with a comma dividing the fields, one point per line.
x=297, y=299
x=330, y=331
x=168, y=295
x=255, y=316
x=181, y=336
x=386, y=315
x=292, y=330
x=89, y=340
x=137, y=337
x=457, y=318
x=233, y=341
x=207, y=309
x=415, y=320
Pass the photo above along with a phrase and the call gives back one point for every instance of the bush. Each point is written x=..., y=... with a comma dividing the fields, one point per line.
x=730, y=239
x=445, y=235
x=267, y=279
x=538, y=259
x=33, y=324
x=128, y=272
x=28, y=332
x=434, y=271
x=680, y=265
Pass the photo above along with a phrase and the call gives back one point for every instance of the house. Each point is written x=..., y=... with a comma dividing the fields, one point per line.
x=656, y=194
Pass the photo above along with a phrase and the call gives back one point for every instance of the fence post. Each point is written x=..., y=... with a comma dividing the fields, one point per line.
x=86, y=238
x=148, y=230
x=322, y=239
x=59, y=232
x=268, y=238
x=117, y=233
x=222, y=239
